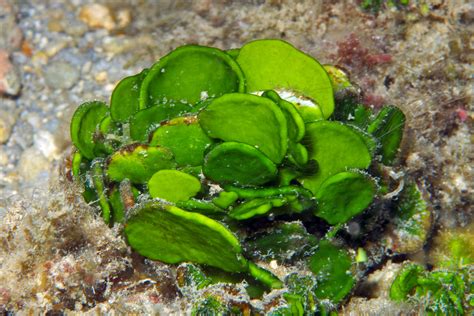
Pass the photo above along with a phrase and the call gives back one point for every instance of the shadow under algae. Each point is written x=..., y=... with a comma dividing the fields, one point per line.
x=248, y=166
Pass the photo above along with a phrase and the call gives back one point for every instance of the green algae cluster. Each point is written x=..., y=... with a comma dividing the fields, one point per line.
x=197, y=154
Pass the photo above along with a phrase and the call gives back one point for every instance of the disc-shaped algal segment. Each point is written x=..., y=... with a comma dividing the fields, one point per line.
x=147, y=120
x=240, y=164
x=388, y=129
x=125, y=97
x=332, y=269
x=138, y=162
x=343, y=196
x=190, y=74
x=185, y=138
x=336, y=148
x=84, y=124
x=275, y=64
x=167, y=233
x=295, y=122
x=249, y=119
x=173, y=185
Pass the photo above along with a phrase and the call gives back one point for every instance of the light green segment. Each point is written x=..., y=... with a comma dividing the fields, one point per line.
x=185, y=138
x=336, y=148
x=248, y=119
x=275, y=64
x=173, y=185
x=172, y=235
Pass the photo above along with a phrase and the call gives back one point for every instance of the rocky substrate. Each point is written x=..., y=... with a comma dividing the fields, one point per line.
x=55, y=255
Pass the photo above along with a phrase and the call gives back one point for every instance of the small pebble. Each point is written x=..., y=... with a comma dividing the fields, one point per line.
x=61, y=75
x=97, y=16
x=7, y=121
x=3, y=157
x=9, y=78
x=45, y=142
x=123, y=17
x=11, y=35
x=101, y=77
x=32, y=164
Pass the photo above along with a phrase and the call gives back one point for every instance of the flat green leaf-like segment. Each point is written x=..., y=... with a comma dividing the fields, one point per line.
x=336, y=148
x=331, y=266
x=97, y=170
x=173, y=185
x=412, y=220
x=256, y=207
x=147, y=120
x=138, y=163
x=248, y=119
x=236, y=163
x=388, y=129
x=405, y=282
x=295, y=123
x=283, y=242
x=275, y=64
x=125, y=97
x=189, y=74
x=169, y=234
x=338, y=77
x=343, y=196
x=84, y=123
x=185, y=138
x=265, y=276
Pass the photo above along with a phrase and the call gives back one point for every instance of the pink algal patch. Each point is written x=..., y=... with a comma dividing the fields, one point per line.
x=351, y=52
x=462, y=114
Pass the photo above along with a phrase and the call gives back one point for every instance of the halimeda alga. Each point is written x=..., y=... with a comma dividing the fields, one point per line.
x=234, y=163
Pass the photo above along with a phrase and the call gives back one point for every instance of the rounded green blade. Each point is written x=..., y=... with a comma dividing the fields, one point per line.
x=84, y=124
x=172, y=235
x=185, y=138
x=190, y=74
x=236, y=163
x=248, y=119
x=343, y=196
x=331, y=266
x=336, y=148
x=275, y=64
x=173, y=185
x=138, y=162
x=125, y=97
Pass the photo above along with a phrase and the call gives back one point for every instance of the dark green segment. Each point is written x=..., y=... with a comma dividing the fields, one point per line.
x=125, y=97
x=97, y=168
x=331, y=266
x=343, y=196
x=238, y=163
x=144, y=122
x=84, y=124
x=190, y=74
x=388, y=129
